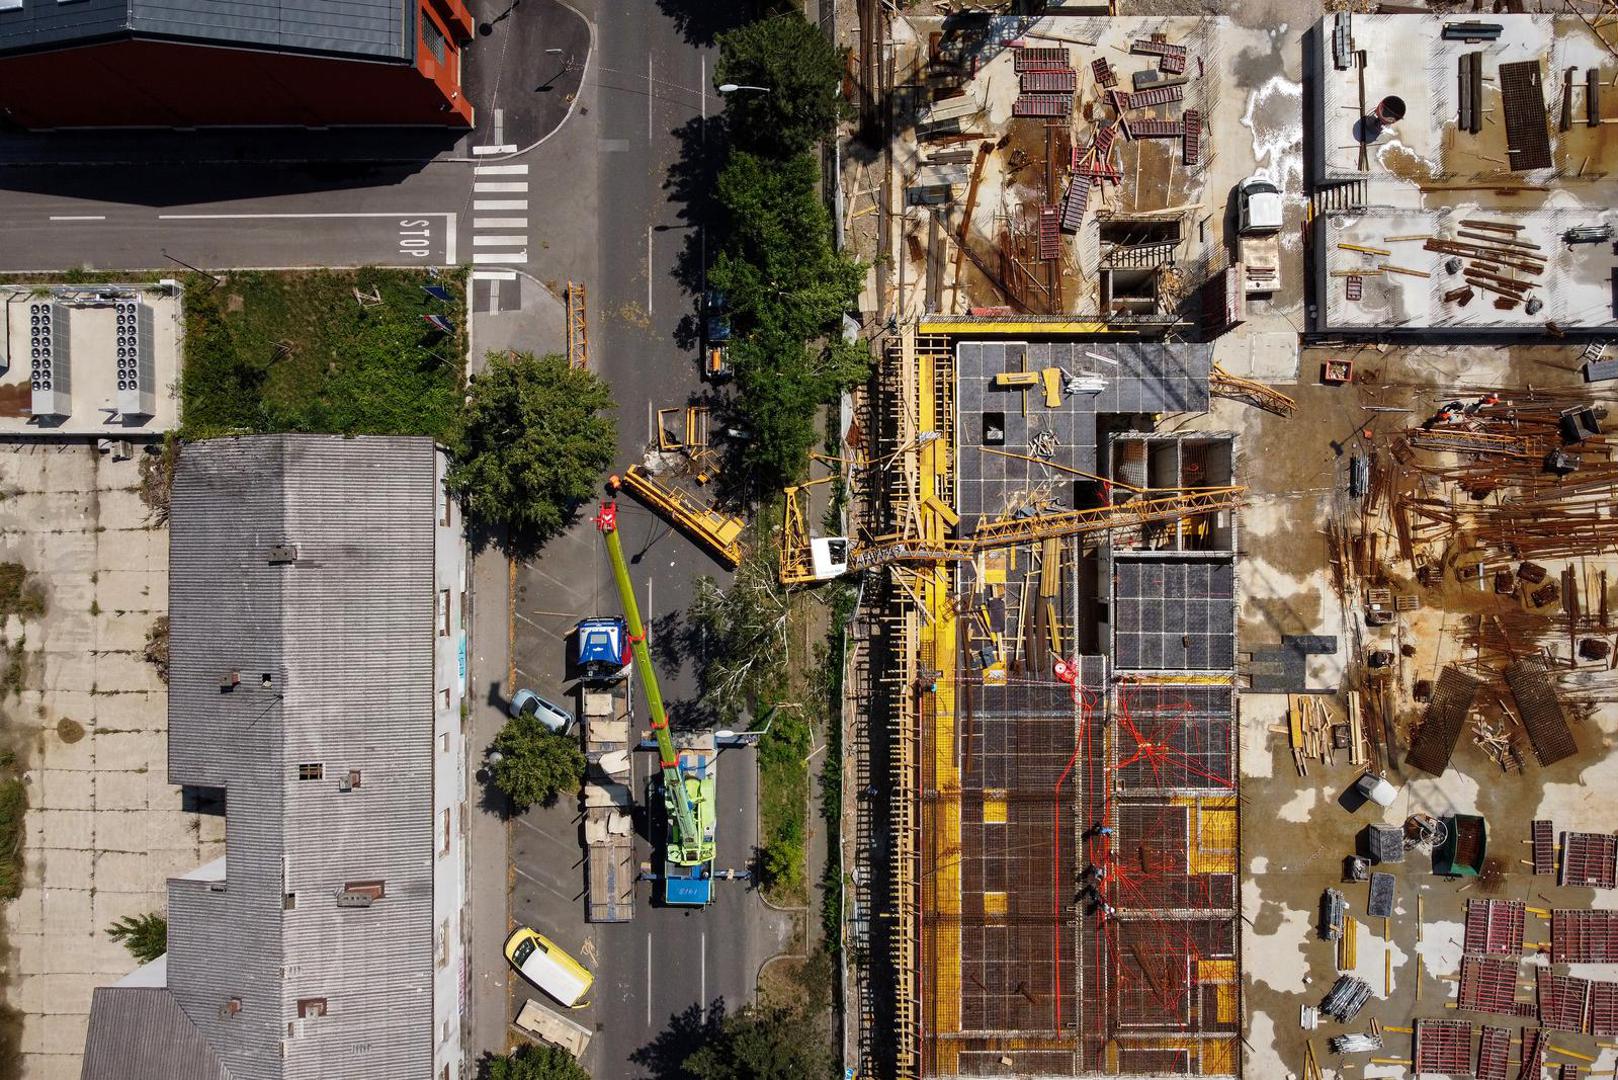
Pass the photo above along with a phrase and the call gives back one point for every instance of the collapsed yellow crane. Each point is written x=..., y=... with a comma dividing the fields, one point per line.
x=801, y=563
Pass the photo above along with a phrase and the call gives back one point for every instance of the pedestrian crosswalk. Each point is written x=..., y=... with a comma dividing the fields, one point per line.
x=499, y=239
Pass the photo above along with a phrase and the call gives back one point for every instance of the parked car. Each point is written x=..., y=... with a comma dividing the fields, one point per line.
x=553, y=716
x=542, y=962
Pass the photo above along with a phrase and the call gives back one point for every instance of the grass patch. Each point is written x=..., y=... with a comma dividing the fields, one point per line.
x=20, y=595
x=13, y=807
x=783, y=812
x=271, y=352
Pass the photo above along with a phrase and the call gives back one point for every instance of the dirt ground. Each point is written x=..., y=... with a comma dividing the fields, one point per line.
x=1296, y=833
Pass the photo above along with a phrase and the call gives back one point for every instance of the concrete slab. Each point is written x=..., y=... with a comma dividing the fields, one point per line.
x=69, y=869
x=123, y=508
x=72, y=829
x=118, y=750
x=68, y=912
x=137, y=712
x=124, y=632
x=129, y=672
x=63, y=789
x=120, y=791
x=132, y=590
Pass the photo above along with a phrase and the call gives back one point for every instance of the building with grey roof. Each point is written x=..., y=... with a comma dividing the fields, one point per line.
x=281, y=62
x=315, y=683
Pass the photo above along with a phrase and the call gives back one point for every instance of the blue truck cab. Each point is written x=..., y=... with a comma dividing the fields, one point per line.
x=603, y=648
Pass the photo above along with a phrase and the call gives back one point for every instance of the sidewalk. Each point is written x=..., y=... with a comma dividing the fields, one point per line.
x=538, y=326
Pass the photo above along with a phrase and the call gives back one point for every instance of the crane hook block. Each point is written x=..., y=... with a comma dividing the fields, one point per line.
x=607, y=519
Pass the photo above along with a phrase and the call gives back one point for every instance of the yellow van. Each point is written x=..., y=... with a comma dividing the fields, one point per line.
x=538, y=959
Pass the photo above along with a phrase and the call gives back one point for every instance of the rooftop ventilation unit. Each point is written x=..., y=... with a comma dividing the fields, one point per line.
x=137, y=394
x=281, y=554
x=48, y=366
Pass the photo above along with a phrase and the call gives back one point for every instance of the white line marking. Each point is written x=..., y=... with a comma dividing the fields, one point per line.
x=648, y=978
x=649, y=269
x=500, y=204
x=480, y=258
x=254, y=217
x=484, y=240
x=495, y=189
x=703, y=86
x=703, y=999
x=648, y=601
x=500, y=223
x=494, y=275
x=78, y=217
x=648, y=97
x=502, y=149
x=649, y=422
x=449, y=239
x=500, y=170
x=500, y=126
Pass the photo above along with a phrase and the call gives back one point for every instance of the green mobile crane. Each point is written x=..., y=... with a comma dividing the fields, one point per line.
x=689, y=777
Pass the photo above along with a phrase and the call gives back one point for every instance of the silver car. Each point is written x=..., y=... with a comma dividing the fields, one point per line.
x=551, y=715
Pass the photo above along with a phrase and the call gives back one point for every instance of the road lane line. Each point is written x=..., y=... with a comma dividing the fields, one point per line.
x=78, y=217
x=648, y=98
x=703, y=998
x=484, y=240
x=342, y=214
x=500, y=170
x=500, y=204
x=494, y=275
x=449, y=239
x=495, y=189
x=500, y=127
x=648, y=979
x=702, y=84
x=500, y=223
x=649, y=269
x=500, y=149
x=479, y=258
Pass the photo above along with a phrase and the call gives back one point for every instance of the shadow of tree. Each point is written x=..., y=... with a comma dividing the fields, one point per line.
x=700, y=22
x=665, y=1056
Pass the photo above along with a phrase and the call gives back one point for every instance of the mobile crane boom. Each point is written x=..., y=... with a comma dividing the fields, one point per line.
x=689, y=798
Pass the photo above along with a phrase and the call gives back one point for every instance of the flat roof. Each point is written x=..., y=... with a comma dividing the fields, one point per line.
x=1575, y=286
x=91, y=337
x=1406, y=56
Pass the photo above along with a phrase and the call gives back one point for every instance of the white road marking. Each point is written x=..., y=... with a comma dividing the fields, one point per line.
x=649, y=269
x=449, y=239
x=482, y=151
x=479, y=258
x=495, y=189
x=648, y=978
x=703, y=999
x=703, y=86
x=500, y=126
x=500, y=204
x=78, y=217
x=354, y=214
x=494, y=275
x=648, y=97
x=481, y=240
x=500, y=170
x=500, y=223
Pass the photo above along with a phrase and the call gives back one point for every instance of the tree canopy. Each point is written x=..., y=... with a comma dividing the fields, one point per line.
x=536, y=1063
x=764, y=1042
x=536, y=764
x=801, y=72
x=534, y=441
x=145, y=936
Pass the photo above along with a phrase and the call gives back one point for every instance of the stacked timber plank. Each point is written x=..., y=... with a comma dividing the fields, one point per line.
x=1494, y=260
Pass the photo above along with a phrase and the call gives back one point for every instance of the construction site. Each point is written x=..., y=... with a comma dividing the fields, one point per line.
x=1233, y=664
x=1234, y=670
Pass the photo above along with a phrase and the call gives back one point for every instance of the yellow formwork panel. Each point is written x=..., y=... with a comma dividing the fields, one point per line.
x=994, y=903
x=979, y=327
x=1216, y=971
x=1215, y=851
x=994, y=808
x=1219, y=1057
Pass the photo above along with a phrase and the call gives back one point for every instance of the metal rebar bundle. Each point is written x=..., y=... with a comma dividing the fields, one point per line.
x=1354, y=1044
x=1346, y=998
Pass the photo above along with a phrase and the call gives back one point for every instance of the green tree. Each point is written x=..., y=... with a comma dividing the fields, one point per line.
x=536, y=764
x=765, y=1042
x=802, y=71
x=145, y=936
x=533, y=444
x=536, y=1063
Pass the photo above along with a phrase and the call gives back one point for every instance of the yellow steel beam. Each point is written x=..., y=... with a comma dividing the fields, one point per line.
x=1015, y=326
x=719, y=533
